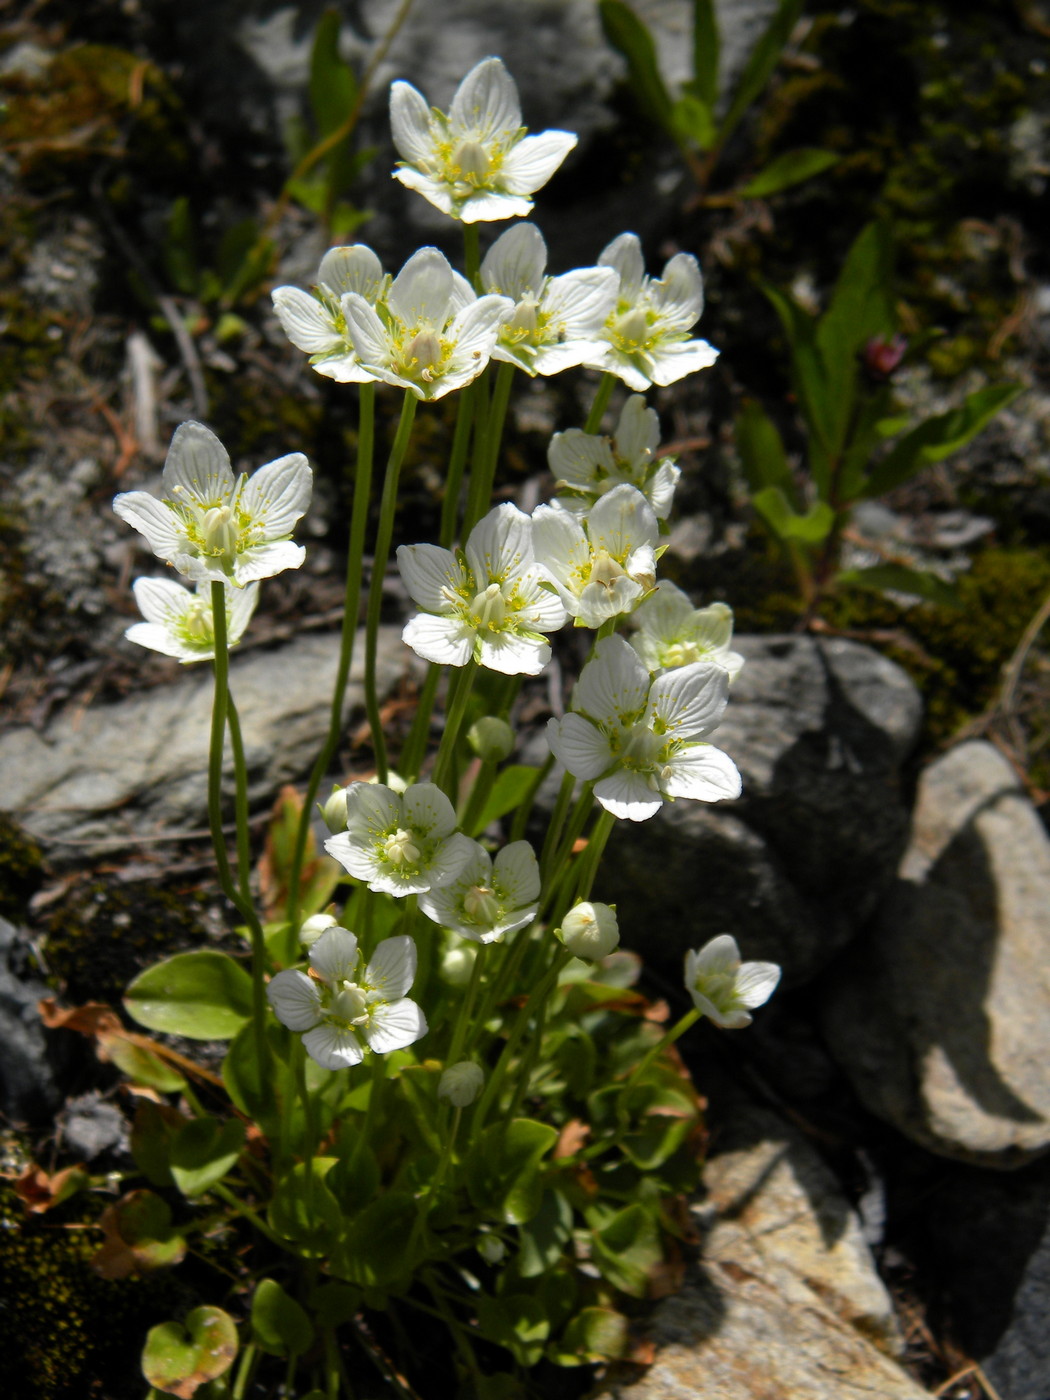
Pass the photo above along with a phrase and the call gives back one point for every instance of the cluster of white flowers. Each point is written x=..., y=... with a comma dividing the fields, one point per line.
x=641, y=712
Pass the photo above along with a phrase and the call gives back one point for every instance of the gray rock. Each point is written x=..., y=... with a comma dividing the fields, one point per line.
x=28, y=1089
x=942, y=1017
x=785, y=1300
x=819, y=730
x=89, y=1126
x=139, y=767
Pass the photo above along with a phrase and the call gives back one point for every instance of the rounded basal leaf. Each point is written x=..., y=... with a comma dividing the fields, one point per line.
x=144, y=1066
x=305, y=1210
x=203, y=996
x=279, y=1325
x=628, y=1251
x=138, y=1237
x=503, y=1170
x=178, y=1360
x=203, y=1152
x=595, y=1334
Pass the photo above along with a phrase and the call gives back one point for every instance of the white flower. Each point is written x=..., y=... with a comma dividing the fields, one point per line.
x=587, y=465
x=638, y=739
x=557, y=321
x=211, y=525
x=488, y=898
x=179, y=620
x=725, y=989
x=312, y=928
x=400, y=844
x=338, y=1003
x=430, y=334
x=603, y=564
x=461, y=1083
x=317, y=324
x=672, y=633
x=476, y=163
x=590, y=931
x=487, y=601
x=648, y=332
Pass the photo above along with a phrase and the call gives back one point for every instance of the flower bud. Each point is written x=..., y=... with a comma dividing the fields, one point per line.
x=312, y=928
x=491, y=739
x=590, y=931
x=458, y=964
x=334, y=811
x=461, y=1083
x=492, y=1249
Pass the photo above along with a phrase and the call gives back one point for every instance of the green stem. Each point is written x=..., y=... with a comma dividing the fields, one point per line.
x=384, y=535
x=459, y=1034
x=415, y=748
x=556, y=823
x=483, y=472
x=479, y=794
x=678, y=1029
x=504, y=979
x=521, y=816
x=457, y=709
x=600, y=404
x=472, y=255
x=588, y=863
x=244, y=1371
x=239, y=1208
x=536, y=999
x=456, y=462
x=561, y=863
x=240, y=778
x=351, y=613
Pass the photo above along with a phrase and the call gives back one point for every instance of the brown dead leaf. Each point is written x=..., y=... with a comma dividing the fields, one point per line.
x=40, y=1190
x=90, y=1019
x=572, y=1137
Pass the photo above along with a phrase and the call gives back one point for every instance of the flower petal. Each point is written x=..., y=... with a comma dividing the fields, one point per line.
x=719, y=955
x=486, y=103
x=756, y=982
x=515, y=264
x=579, y=746
x=392, y=968
x=366, y=332
x=428, y=811
x=410, y=122
x=511, y=654
x=579, y=458
x=278, y=494
x=483, y=206
x=621, y=522
x=305, y=321
x=703, y=773
x=628, y=795
x=430, y=574
x=421, y=291
x=332, y=1047
x=673, y=360
x=334, y=956
x=153, y=520
x=296, y=1000
x=352, y=269
x=395, y=1025
x=559, y=542
x=500, y=545
x=579, y=303
x=197, y=464
x=678, y=297
x=262, y=561
x=624, y=255
x=446, y=641
x=531, y=162
x=690, y=701
x=638, y=431
x=613, y=686
x=517, y=874
x=450, y=859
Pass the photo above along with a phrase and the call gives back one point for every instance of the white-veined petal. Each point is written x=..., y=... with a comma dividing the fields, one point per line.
x=628, y=795
x=334, y=956
x=305, y=321
x=430, y=574
x=756, y=982
x=198, y=464
x=511, y=654
x=392, y=967
x=429, y=186
x=481, y=206
x=240, y=606
x=161, y=639
x=678, y=297
x=559, y=542
x=421, y=291
x=486, y=102
x=410, y=122
x=263, y=561
x=515, y=264
x=531, y=162
x=450, y=859
x=719, y=955
x=161, y=600
x=624, y=255
x=579, y=746
x=395, y=1025
x=475, y=328
x=579, y=303
x=446, y=641
x=701, y=772
x=332, y=1047
x=614, y=685
x=690, y=701
x=500, y=545
x=621, y=522
x=517, y=873
x=428, y=811
x=579, y=458
x=352, y=269
x=638, y=431
x=661, y=488
x=372, y=810
x=541, y=610
x=158, y=525
x=366, y=331
x=673, y=360
x=296, y=1000
x=278, y=494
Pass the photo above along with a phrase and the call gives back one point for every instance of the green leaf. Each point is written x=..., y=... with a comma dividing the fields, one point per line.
x=898, y=578
x=303, y=1209
x=706, y=45
x=626, y=32
x=515, y=1321
x=152, y=1134
x=508, y=792
x=503, y=1169
x=544, y=1237
x=758, y=70
x=249, y=1084
x=811, y=528
x=203, y=995
x=139, y=1237
x=807, y=369
x=279, y=1325
x=333, y=86
x=693, y=122
x=203, y=1152
x=377, y=1249
x=761, y=450
x=938, y=437
x=180, y=251
x=790, y=168
x=143, y=1066
x=179, y=1360
x=627, y=1249
x=594, y=1334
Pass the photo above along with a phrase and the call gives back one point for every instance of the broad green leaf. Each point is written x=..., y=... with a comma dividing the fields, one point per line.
x=811, y=528
x=761, y=450
x=693, y=122
x=143, y=1066
x=380, y=1248
x=152, y=1133
x=139, y=1237
x=594, y=1334
x=706, y=45
x=758, y=70
x=626, y=32
x=279, y=1325
x=180, y=1359
x=508, y=791
x=503, y=1169
x=790, y=168
x=544, y=1237
x=333, y=86
x=303, y=1209
x=515, y=1321
x=938, y=437
x=203, y=996
x=203, y=1152
x=627, y=1249
x=898, y=578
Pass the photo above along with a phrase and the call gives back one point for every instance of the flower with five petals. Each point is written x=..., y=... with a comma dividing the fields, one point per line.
x=488, y=898
x=179, y=621
x=672, y=633
x=317, y=324
x=398, y=843
x=725, y=989
x=339, y=1005
x=476, y=163
x=587, y=465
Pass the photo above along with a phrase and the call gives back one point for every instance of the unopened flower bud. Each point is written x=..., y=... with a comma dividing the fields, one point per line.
x=461, y=1083
x=334, y=811
x=458, y=964
x=313, y=927
x=492, y=1249
x=590, y=931
x=491, y=739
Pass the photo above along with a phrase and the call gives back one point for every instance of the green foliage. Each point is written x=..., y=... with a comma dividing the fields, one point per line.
x=846, y=404
x=178, y=1359
x=701, y=118
x=203, y=995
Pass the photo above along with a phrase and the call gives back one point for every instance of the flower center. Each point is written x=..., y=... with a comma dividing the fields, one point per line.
x=472, y=163
x=424, y=351
x=401, y=848
x=605, y=571
x=632, y=329
x=481, y=905
x=682, y=654
x=196, y=624
x=640, y=748
x=489, y=608
x=349, y=1005
x=719, y=987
